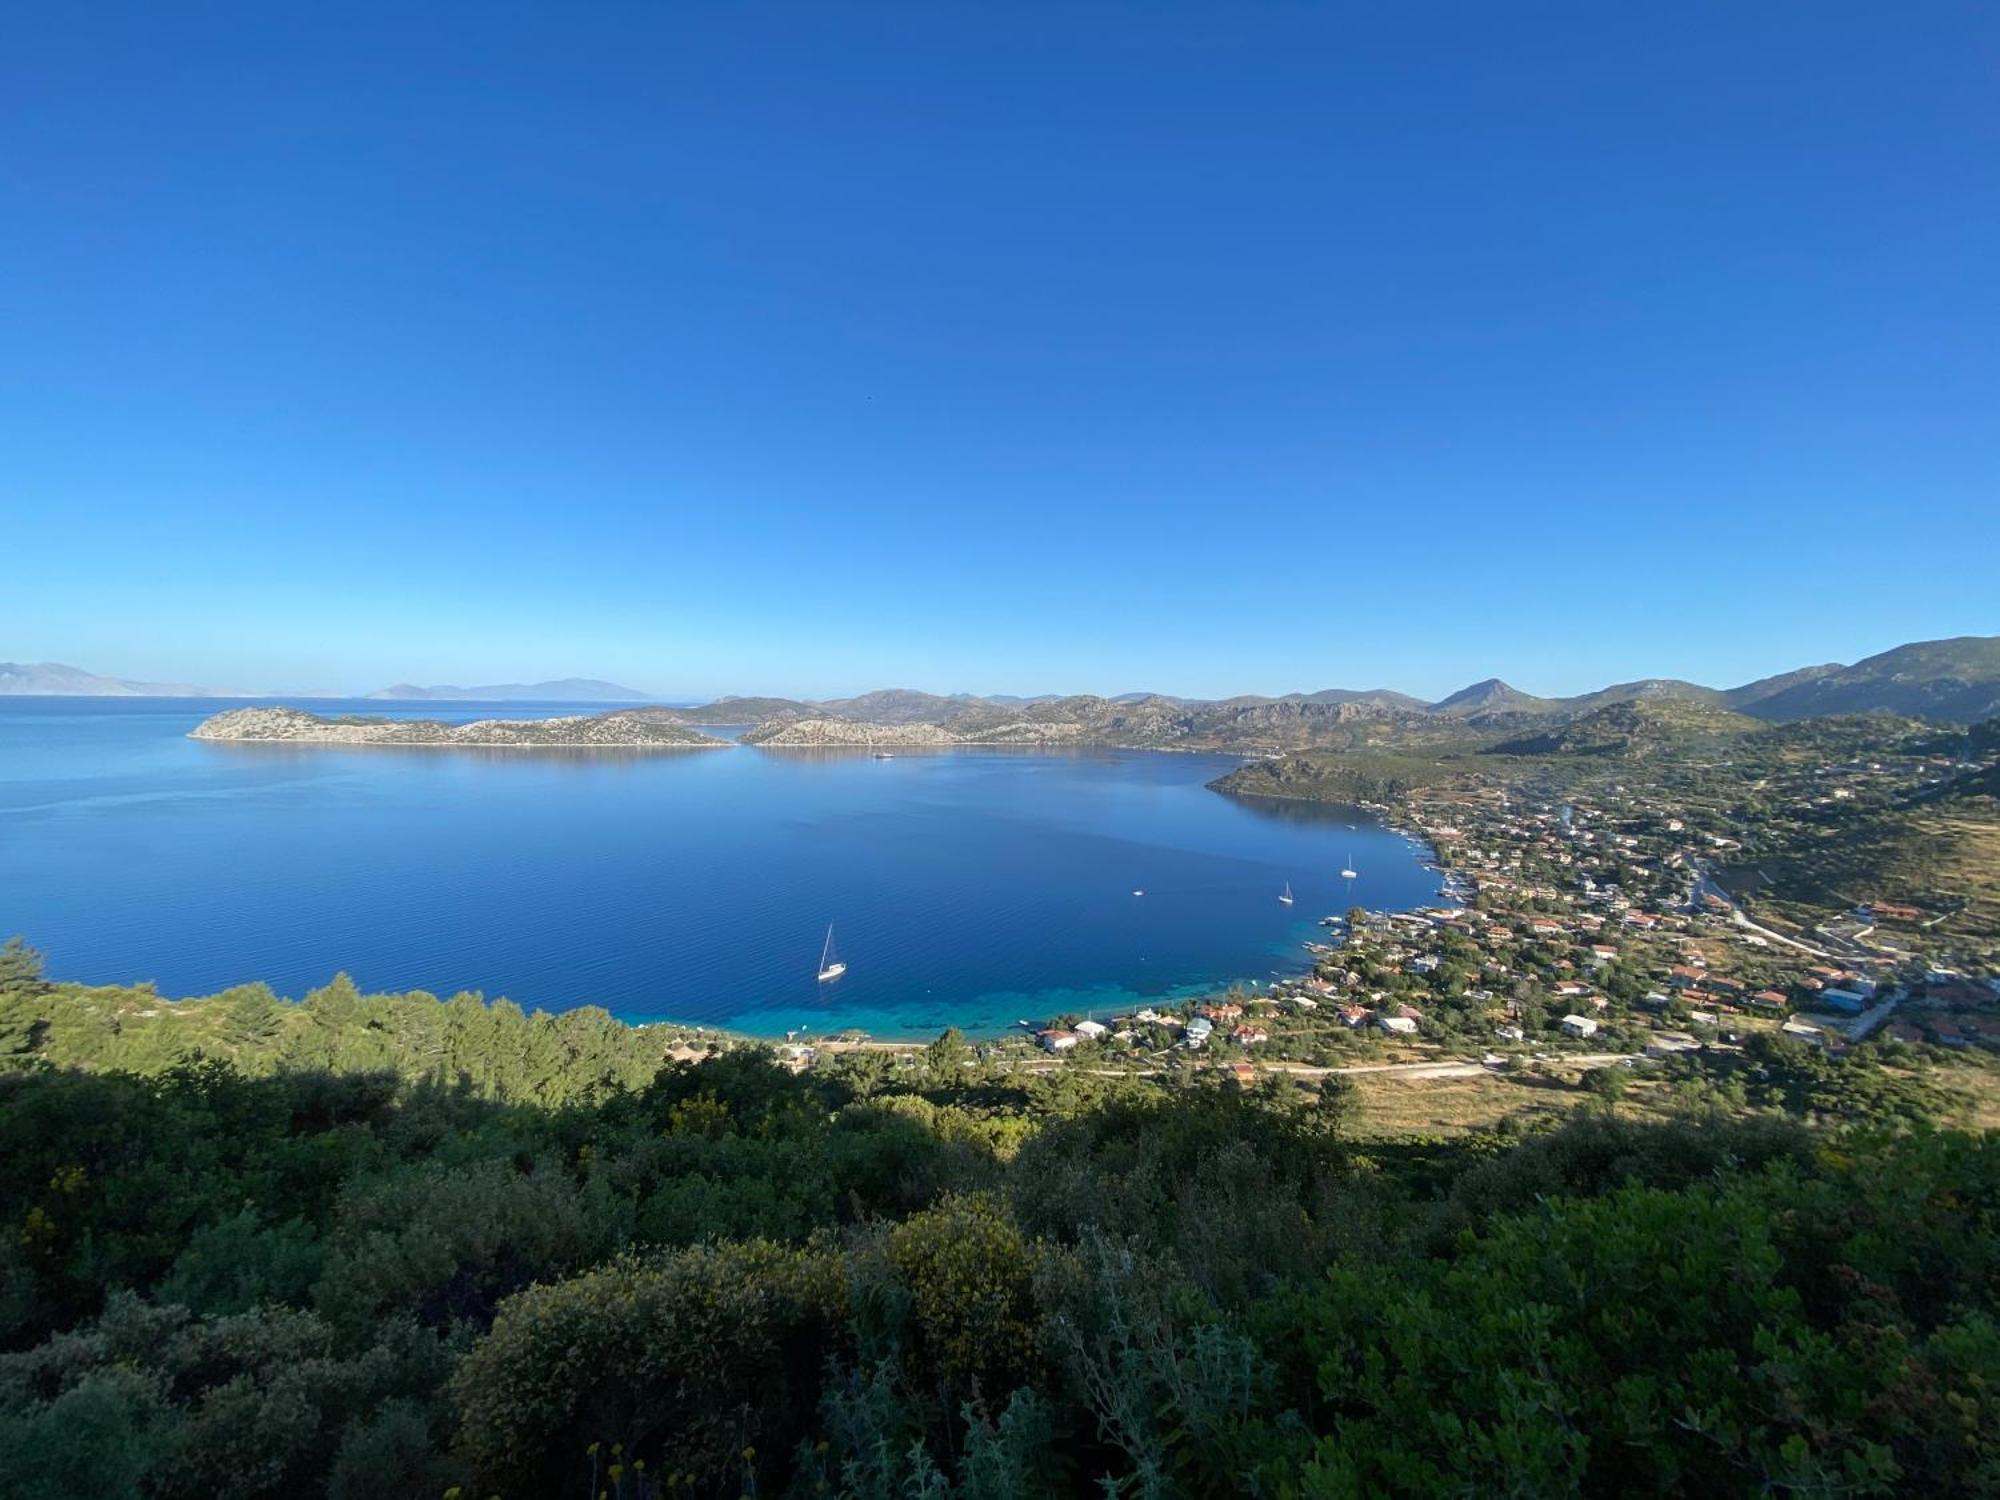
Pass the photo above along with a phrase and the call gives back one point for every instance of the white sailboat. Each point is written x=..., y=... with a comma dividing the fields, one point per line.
x=830, y=966
x=1287, y=897
x=1347, y=871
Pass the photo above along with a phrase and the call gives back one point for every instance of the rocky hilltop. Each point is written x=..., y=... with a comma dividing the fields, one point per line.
x=642, y=729
x=802, y=734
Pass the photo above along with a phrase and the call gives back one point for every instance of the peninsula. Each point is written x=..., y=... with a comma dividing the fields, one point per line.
x=632, y=728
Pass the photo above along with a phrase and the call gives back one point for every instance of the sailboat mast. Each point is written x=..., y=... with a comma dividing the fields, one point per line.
x=830, y=966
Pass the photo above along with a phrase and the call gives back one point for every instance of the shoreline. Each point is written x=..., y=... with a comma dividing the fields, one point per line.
x=212, y=739
x=899, y=752
x=996, y=1024
x=720, y=744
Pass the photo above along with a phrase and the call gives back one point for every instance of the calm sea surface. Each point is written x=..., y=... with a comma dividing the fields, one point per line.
x=966, y=887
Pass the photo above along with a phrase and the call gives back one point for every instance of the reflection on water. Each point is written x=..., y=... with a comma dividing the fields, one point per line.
x=1310, y=814
x=550, y=756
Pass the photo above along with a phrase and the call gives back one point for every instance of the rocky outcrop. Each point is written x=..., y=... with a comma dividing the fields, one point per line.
x=807, y=734
x=641, y=729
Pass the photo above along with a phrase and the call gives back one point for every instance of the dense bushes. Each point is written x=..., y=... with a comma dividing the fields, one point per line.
x=1827, y=1332
x=154, y=1400
x=732, y=1280
x=701, y=1358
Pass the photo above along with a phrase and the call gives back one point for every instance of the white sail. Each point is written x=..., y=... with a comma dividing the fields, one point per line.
x=830, y=966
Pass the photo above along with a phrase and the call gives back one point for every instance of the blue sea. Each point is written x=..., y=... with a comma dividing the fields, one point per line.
x=965, y=888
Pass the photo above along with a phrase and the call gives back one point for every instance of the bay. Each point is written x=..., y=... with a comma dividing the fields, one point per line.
x=967, y=887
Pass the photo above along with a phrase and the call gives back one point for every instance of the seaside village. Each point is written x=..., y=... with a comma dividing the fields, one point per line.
x=1567, y=933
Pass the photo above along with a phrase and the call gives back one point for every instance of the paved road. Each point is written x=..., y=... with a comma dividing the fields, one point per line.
x=1400, y=1072
x=1415, y=1072
x=1457, y=1068
x=1704, y=884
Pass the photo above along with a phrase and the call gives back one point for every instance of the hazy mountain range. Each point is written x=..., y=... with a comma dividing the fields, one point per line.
x=54, y=680
x=561, y=690
x=1951, y=681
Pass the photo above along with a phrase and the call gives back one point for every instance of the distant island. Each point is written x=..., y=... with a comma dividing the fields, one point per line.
x=52, y=679
x=561, y=690
x=640, y=729
x=1939, y=682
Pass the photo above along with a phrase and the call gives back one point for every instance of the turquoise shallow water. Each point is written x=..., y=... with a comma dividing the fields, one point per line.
x=967, y=887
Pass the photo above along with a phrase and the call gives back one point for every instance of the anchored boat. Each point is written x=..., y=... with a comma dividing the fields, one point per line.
x=830, y=966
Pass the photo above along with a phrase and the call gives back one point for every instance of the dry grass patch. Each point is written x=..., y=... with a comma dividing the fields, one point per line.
x=1391, y=1105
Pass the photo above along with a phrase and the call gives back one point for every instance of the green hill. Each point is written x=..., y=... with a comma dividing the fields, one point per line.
x=1491, y=697
x=495, y=1255
x=1337, y=776
x=1647, y=690
x=1937, y=849
x=1638, y=727
x=1952, y=681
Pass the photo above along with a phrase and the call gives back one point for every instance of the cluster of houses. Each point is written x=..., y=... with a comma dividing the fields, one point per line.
x=1192, y=1031
x=1571, y=924
x=1628, y=891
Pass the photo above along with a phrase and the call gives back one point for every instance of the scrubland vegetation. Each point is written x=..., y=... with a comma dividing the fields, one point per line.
x=384, y=1250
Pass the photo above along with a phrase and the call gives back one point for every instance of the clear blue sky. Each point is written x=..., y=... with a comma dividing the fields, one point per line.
x=819, y=347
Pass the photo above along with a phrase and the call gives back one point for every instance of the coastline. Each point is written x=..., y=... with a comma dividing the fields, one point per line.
x=886, y=1016
x=317, y=744
x=627, y=728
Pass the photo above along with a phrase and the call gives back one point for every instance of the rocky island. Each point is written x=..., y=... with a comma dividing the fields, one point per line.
x=829, y=733
x=632, y=728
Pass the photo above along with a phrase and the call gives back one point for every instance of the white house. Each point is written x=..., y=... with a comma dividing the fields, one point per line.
x=1398, y=1025
x=1579, y=1026
x=1091, y=1031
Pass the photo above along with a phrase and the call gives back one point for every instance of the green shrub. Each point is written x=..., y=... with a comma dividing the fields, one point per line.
x=687, y=1359
x=969, y=1273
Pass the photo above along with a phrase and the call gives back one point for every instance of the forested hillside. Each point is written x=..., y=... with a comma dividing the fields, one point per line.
x=289, y=1275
